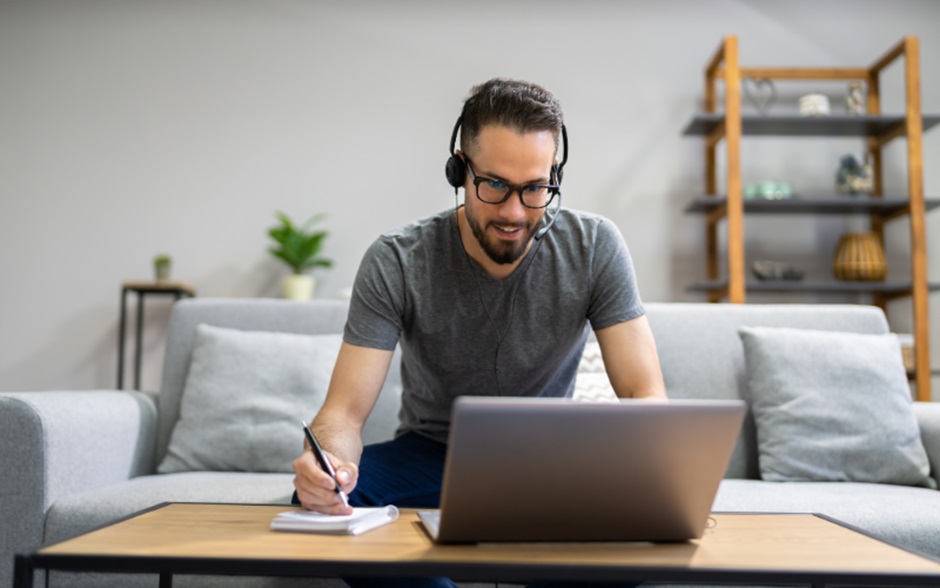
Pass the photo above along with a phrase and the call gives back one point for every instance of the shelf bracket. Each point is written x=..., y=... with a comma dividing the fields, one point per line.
x=895, y=131
x=715, y=136
x=716, y=214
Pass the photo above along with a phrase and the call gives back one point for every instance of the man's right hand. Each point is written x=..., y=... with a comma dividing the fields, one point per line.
x=315, y=488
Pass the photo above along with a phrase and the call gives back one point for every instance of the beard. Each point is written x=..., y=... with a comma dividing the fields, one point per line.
x=500, y=251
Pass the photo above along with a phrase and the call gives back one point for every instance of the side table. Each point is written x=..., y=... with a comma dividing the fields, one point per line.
x=142, y=289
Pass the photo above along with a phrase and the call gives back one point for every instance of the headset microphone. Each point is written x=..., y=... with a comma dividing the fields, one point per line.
x=551, y=216
x=558, y=170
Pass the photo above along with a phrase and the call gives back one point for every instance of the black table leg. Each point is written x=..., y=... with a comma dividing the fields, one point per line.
x=166, y=580
x=121, y=328
x=140, y=331
x=23, y=572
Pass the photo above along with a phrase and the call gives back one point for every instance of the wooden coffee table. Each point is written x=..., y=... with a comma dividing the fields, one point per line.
x=222, y=539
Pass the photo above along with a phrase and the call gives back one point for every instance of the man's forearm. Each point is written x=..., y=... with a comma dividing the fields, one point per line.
x=631, y=361
x=356, y=384
x=653, y=392
x=339, y=437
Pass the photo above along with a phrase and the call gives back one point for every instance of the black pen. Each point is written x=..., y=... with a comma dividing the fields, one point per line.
x=324, y=463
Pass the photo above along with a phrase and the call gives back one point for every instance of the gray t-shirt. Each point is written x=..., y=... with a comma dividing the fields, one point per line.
x=463, y=332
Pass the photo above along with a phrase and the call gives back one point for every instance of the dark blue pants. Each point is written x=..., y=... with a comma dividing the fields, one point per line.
x=408, y=472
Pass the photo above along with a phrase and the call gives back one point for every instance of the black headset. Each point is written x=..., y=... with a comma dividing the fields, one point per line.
x=456, y=171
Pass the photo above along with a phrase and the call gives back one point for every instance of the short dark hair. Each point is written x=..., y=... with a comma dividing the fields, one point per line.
x=522, y=106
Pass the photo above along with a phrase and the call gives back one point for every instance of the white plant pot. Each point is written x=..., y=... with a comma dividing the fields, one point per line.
x=297, y=287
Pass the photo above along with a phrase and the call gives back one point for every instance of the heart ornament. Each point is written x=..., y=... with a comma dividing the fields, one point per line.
x=760, y=93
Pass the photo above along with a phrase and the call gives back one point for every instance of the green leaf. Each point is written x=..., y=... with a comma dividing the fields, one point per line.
x=298, y=247
x=313, y=220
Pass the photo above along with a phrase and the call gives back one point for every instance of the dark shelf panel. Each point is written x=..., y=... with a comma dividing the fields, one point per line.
x=805, y=126
x=812, y=205
x=829, y=287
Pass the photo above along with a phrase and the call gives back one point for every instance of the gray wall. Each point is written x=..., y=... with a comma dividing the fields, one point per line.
x=133, y=128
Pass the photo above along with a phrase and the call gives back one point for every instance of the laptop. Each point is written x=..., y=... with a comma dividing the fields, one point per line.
x=538, y=469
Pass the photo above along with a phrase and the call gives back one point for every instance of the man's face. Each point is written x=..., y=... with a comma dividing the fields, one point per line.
x=504, y=231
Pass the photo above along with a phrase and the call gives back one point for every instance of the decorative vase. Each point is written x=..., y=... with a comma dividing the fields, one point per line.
x=855, y=99
x=853, y=177
x=297, y=287
x=860, y=257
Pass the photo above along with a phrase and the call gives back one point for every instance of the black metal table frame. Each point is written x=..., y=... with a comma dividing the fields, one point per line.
x=26, y=565
x=166, y=567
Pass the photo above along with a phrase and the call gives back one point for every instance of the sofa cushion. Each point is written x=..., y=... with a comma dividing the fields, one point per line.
x=702, y=355
x=591, y=383
x=244, y=398
x=80, y=513
x=832, y=406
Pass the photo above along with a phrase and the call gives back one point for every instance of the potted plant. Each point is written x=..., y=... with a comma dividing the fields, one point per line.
x=299, y=247
x=161, y=267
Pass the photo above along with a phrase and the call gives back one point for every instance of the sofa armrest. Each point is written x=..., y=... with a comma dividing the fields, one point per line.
x=57, y=443
x=928, y=419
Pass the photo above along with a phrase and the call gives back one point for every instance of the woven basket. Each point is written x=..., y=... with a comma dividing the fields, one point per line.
x=860, y=258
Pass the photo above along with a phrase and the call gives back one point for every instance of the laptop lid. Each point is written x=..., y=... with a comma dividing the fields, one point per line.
x=535, y=469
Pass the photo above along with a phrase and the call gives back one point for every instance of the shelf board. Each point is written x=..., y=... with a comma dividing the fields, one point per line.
x=911, y=375
x=885, y=206
x=820, y=287
x=836, y=125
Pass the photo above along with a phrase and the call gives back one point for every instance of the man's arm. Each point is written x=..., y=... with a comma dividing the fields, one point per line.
x=629, y=353
x=354, y=388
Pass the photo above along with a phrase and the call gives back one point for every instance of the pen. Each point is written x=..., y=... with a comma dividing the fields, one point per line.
x=324, y=463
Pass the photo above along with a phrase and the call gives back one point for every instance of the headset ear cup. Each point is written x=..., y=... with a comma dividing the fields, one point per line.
x=558, y=173
x=455, y=171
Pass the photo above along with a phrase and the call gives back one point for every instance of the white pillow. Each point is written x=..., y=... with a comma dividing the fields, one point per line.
x=591, y=383
x=832, y=406
x=244, y=398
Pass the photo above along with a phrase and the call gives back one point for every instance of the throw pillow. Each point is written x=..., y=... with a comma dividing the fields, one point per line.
x=244, y=398
x=832, y=406
x=591, y=383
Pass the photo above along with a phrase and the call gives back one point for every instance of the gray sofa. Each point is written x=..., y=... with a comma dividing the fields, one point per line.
x=73, y=461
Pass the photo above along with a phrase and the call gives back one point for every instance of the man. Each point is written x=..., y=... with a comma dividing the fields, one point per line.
x=490, y=298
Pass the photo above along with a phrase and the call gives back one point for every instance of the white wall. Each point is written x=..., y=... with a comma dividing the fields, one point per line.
x=133, y=128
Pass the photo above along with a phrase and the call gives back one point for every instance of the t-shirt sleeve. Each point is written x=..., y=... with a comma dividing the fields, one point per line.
x=614, y=295
x=376, y=309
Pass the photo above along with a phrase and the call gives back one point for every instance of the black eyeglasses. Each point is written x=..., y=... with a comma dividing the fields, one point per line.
x=497, y=191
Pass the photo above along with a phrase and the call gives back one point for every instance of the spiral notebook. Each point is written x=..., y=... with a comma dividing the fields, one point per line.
x=362, y=519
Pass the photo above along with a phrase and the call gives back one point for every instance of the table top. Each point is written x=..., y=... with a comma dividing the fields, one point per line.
x=190, y=537
x=171, y=286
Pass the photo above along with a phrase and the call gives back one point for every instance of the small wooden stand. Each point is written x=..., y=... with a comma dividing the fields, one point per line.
x=142, y=289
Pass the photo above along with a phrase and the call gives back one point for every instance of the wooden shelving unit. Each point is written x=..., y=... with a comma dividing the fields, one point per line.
x=729, y=126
